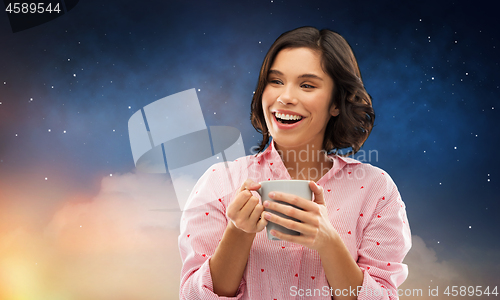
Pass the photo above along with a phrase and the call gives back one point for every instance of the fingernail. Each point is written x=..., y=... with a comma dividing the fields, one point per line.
x=272, y=194
x=267, y=216
x=266, y=203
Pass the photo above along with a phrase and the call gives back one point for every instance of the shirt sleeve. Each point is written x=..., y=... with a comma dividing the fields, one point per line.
x=386, y=241
x=201, y=230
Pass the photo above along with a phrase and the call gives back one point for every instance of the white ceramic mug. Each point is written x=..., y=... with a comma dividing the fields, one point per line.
x=296, y=187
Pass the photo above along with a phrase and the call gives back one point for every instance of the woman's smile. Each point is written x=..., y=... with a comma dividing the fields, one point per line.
x=286, y=119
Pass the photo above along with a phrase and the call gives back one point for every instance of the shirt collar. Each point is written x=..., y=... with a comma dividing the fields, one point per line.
x=347, y=160
x=271, y=154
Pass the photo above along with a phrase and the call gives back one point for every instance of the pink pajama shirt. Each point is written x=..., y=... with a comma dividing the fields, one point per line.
x=363, y=204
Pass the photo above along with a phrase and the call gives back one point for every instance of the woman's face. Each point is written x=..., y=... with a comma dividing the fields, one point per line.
x=298, y=87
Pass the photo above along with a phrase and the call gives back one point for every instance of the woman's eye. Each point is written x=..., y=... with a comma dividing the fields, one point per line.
x=275, y=81
x=308, y=86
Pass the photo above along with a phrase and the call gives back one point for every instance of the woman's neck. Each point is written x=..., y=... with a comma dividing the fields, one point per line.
x=308, y=162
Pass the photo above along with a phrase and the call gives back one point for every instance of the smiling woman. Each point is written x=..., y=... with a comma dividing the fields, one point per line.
x=298, y=88
x=354, y=235
x=322, y=56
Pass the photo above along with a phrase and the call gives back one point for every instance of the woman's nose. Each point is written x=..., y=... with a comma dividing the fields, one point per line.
x=287, y=97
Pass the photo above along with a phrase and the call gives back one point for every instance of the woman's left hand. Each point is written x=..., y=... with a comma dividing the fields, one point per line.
x=317, y=232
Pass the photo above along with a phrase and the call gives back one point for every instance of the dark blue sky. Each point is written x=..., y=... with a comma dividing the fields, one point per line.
x=431, y=67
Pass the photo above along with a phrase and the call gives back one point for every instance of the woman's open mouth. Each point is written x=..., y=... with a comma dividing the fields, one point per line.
x=287, y=119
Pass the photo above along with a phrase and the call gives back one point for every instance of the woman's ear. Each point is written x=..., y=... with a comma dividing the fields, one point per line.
x=334, y=111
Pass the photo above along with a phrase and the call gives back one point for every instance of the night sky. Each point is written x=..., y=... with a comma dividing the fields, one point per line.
x=68, y=88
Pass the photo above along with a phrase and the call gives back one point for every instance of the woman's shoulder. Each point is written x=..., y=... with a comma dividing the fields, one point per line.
x=233, y=172
x=237, y=165
x=371, y=184
x=363, y=170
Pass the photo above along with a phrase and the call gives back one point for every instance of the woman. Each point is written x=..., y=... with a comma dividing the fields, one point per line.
x=309, y=100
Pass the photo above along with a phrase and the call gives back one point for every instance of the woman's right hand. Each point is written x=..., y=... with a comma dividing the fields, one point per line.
x=246, y=211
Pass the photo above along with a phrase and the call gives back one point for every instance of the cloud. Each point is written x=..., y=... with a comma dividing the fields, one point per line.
x=123, y=215
x=428, y=271
x=120, y=244
x=424, y=267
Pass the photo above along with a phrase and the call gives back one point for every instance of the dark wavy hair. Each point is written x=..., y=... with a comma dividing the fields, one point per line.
x=355, y=121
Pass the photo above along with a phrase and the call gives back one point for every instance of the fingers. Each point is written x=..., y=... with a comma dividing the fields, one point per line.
x=250, y=185
x=256, y=215
x=262, y=222
x=247, y=219
x=249, y=207
x=245, y=210
x=239, y=201
x=286, y=237
x=318, y=193
x=292, y=199
x=290, y=224
x=299, y=201
x=242, y=196
x=287, y=210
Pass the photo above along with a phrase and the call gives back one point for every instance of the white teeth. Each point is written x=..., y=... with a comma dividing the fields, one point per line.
x=287, y=117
